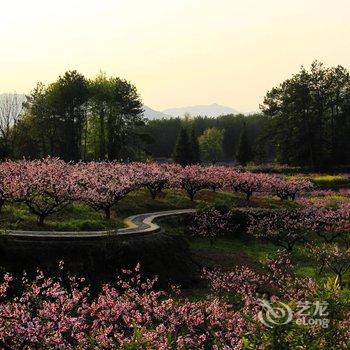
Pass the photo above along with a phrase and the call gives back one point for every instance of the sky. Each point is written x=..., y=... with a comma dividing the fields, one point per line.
x=177, y=53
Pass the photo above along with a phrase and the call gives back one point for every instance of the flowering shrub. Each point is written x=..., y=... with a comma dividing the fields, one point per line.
x=211, y=223
x=45, y=186
x=277, y=283
x=288, y=189
x=220, y=177
x=344, y=192
x=129, y=315
x=277, y=280
x=283, y=227
x=330, y=222
x=192, y=179
x=155, y=177
x=332, y=257
x=47, y=313
x=102, y=185
x=247, y=183
x=10, y=186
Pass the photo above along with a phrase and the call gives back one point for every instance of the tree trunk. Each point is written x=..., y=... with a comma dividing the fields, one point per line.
x=107, y=213
x=153, y=193
x=41, y=220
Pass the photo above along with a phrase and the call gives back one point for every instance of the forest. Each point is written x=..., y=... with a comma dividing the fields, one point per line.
x=305, y=121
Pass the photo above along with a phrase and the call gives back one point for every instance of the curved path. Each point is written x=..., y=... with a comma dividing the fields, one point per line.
x=136, y=225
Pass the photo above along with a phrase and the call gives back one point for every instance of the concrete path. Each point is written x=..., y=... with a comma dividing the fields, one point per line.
x=136, y=224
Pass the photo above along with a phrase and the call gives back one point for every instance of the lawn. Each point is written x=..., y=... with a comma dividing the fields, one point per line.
x=325, y=181
x=238, y=250
x=234, y=250
x=79, y=216
x=225, y=253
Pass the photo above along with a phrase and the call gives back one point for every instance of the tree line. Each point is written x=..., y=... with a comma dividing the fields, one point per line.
x=74, y=118
x=304, y=121
x=309, y=117
x=218, y=138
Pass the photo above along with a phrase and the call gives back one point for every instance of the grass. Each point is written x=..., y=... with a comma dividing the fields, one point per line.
x=332, y=200
x=75, y=217
x=80, y=217
x=326, y=181
x=228, y=252
x=330, y=180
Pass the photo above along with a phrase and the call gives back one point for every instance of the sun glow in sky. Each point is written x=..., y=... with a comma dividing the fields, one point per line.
x=177, y=53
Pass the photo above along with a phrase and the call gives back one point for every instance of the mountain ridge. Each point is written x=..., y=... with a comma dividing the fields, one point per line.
x=211, y=110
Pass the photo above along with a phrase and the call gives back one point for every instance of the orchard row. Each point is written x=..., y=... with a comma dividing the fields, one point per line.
x=46, y=186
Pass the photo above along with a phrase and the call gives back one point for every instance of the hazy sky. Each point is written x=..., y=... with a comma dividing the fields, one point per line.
x=176, y=52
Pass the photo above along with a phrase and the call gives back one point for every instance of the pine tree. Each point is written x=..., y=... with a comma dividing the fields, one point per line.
x=195, y=152
x=244, y=152
x=182, y=152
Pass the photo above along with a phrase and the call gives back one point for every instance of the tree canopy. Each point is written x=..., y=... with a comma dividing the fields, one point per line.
x=310, y=117
x=183, y=152
x=210, y=143
x=244, y=152
x=75, y=118
x=305, y=121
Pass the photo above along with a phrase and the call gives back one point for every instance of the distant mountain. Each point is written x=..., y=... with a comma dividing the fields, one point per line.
x=213, y=110
x=150, y=114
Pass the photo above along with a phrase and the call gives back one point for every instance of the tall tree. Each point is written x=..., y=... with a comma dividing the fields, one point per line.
x=210, y=143
x=68, y=98
x=310, y=117
x=124, y=120
x=164, y=133
x=115, y=118
x=28, y=141
x=195, y=151
x=76, y=119
x=101, y=100
x=244, y=152
x=182, y=152
x=39, y=120
x=59, y=115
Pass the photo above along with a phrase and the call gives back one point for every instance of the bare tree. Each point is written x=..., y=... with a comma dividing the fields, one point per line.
x=10, y=111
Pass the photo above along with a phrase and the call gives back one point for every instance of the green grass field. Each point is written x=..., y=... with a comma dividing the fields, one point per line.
x=325, y=181
x=228, y=252
x=79, y=216
x=225, y=253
